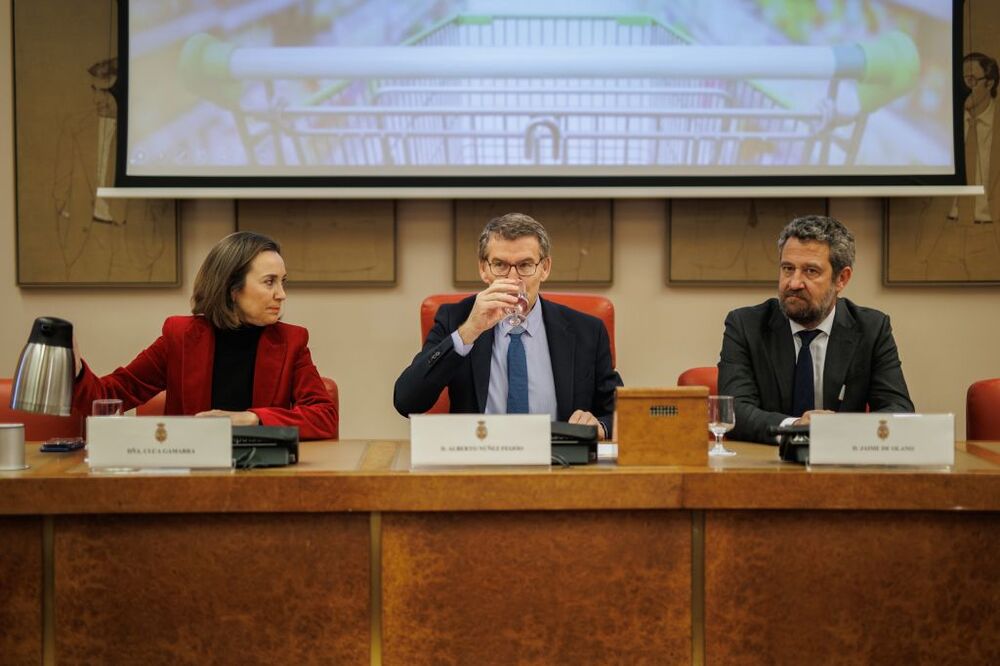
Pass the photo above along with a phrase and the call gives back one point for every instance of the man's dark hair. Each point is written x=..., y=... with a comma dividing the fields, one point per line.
x=990, y=69
x=822, y=229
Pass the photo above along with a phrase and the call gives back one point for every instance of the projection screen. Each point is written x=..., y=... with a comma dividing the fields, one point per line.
x=466, y=91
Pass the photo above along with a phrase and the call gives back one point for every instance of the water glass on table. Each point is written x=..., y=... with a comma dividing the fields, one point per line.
x=106, y=407
x=721, y=419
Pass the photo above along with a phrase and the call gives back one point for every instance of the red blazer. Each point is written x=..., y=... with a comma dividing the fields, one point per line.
x=287, y=389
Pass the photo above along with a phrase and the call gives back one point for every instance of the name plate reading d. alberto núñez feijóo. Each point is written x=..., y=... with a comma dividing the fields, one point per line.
x=458, y=440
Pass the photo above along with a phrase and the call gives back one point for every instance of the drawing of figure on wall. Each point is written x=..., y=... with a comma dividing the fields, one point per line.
x=95, y=237
x=968, y=245
x=742, y=245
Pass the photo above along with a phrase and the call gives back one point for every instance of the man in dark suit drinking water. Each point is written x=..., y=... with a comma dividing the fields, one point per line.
x=507, y=350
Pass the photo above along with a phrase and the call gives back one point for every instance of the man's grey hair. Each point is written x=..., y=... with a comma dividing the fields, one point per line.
x=511, y=227
x=822, y=229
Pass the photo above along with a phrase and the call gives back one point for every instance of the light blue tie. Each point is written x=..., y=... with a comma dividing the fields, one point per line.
x=517, y=374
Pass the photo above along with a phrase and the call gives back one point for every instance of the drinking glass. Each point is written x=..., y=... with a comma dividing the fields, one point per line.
x=517, y=314
x=106, y=407
x=721, y=419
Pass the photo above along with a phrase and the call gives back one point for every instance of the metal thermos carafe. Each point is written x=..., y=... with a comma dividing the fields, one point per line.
x=43, y=382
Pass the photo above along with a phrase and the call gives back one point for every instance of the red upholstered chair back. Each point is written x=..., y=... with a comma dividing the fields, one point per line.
x=37, y=427
x=982, y=410
x=704, y=376
x=592, y=304
x=334, y=391
x=156, y=404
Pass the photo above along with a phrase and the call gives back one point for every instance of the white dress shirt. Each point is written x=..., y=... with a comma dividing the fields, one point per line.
x=818, y=351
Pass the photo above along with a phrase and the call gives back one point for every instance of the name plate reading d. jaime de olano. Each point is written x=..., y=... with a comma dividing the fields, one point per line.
x=450, y=440
x=882, y=439
x=159, y=442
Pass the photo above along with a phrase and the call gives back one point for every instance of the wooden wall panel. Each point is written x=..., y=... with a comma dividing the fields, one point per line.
x=536, y=587
x=250, y=588
x=21, y=590
x=852, y=587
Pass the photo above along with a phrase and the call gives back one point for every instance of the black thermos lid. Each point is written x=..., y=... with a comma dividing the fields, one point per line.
x=52, y=331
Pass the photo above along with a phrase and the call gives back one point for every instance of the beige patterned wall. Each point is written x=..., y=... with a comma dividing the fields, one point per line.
x=363, y=337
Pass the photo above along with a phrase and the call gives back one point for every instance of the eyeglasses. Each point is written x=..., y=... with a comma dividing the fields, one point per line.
x=973, y=80
x=525, y=268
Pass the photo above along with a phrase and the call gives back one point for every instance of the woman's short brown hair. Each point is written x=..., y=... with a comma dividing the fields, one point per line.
x=223, y=272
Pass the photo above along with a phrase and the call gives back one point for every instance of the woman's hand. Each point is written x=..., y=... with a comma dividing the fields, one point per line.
x=238, y=418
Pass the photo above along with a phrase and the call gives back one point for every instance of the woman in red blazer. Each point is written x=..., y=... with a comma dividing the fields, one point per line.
x=233, y=357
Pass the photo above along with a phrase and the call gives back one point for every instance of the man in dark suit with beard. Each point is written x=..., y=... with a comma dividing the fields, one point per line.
x=809, y=351
x=557, y=362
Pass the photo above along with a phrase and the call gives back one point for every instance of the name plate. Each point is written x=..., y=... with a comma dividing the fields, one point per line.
x=450, y=440
x=159, y=442
x=882, y=439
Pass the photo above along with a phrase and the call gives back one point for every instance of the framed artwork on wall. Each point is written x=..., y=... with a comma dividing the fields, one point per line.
x=580, y=231
x=926, y=245
x=65, y=118
x=328, y=242
x=729, y=241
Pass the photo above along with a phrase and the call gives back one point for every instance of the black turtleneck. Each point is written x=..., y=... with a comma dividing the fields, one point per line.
x=232, y=368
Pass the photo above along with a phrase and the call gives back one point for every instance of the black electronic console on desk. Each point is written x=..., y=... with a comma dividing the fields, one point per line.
x=573, y=443
x=793, y=442
x=265, y=446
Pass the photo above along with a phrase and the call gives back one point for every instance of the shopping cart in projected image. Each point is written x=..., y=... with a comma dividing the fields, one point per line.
x=525, y=91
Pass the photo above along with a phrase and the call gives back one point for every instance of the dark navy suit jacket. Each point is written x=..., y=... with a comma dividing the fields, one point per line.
x=579, y=348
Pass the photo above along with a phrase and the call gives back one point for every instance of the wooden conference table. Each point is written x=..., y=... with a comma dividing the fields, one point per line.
x=350, y=558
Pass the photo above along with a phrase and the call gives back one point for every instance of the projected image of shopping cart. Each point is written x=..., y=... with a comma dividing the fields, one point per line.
x=491, y=91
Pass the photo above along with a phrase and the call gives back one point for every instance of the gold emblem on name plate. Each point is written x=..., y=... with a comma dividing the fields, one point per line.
x=161, y=433
x=883, y=429
x=481, y=430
